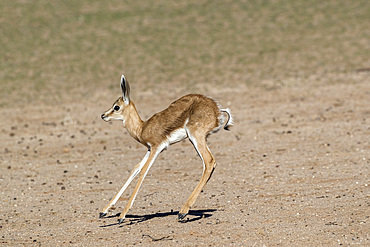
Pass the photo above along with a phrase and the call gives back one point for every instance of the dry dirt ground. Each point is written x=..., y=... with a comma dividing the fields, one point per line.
x=293, y=171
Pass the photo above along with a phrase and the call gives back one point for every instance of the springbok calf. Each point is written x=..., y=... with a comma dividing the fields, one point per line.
x=194, y=116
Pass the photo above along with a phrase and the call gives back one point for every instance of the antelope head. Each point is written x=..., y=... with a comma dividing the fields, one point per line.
x=117, y=111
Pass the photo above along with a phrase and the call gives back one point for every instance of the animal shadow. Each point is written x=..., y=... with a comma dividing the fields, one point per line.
x=132, y=219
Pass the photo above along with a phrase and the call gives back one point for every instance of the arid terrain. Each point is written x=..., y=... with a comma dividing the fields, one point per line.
x=293, y=170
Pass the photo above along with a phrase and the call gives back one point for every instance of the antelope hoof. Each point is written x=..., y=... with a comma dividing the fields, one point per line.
x=120, y=221
x=181, y=216
x=101, y=215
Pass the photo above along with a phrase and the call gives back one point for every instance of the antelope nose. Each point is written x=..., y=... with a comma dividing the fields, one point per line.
x=102, y=116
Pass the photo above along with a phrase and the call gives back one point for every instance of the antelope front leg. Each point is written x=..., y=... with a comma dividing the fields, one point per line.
x=133, y=174
x=152, y=156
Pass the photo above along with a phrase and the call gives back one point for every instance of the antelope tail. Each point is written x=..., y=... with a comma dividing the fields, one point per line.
x=230, y=121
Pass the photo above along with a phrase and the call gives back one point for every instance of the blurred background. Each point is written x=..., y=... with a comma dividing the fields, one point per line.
x=293, y=171
x=57, y=51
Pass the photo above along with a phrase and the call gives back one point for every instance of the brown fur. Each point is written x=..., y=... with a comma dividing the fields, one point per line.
x=194, y=116
x=197, y=109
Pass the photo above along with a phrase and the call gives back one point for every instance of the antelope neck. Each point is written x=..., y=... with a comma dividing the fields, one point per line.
x=133, y=122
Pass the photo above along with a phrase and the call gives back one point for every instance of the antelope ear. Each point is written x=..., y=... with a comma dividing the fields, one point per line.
x=125, y=87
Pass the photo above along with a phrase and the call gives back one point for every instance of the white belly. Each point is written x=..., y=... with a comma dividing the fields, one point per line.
x=177, y=135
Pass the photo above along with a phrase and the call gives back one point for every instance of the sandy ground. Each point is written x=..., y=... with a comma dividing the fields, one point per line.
x=293, y=171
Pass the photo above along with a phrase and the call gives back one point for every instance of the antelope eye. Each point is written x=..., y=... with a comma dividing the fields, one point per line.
x=116, y=108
